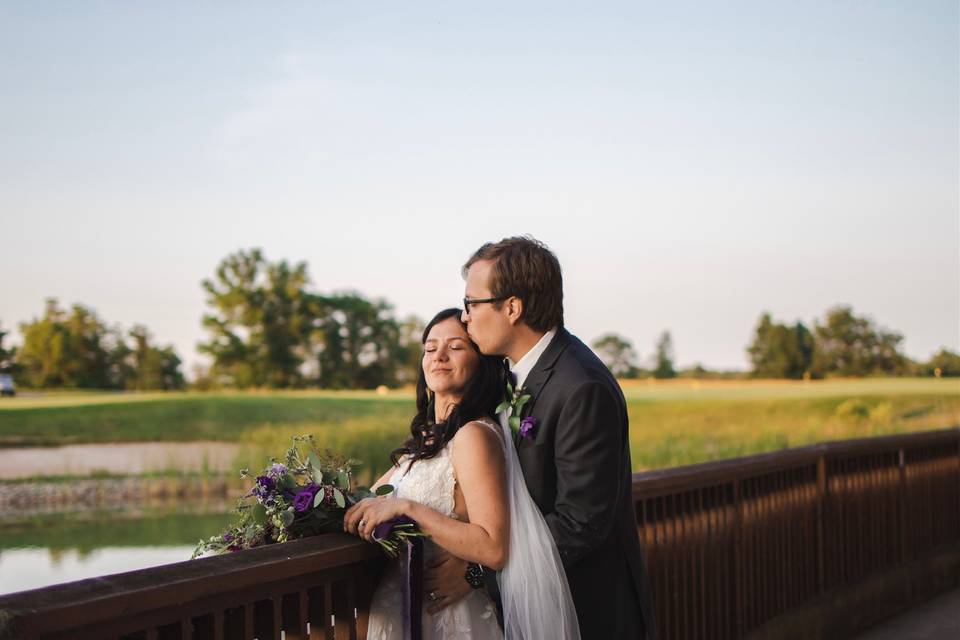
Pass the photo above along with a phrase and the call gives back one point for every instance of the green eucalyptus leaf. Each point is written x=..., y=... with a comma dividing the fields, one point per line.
x=360, y=494
x=314, y=461
x=259, y=514
x=338, y=496
x=287, y=518
x=384, y=489
x=343, y=480
x=503, y=406
x=287, y=482
x=318, y=499
x=522, y=401
x=514, y=422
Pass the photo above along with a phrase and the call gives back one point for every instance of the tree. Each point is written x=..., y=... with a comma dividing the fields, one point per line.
x=260, y=322
x=79, y=351
x=663, y=360
x=153, y=367
x=780, y=351
x=946, y=361
x=268, y=329
x=617, y=353
x=65, y=351
x=848, y=345
x=123, y=369
x=7, y=356
x=410, y=349
x=357, y=341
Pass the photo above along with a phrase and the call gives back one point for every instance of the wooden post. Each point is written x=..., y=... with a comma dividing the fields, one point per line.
x=821, y=515
x=738, y=557
x=902, y=505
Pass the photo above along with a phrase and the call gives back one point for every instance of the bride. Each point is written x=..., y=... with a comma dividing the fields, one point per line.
x=459, y=478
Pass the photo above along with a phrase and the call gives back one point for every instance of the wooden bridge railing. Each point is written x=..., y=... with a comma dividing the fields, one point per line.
x=731, y=547
x=734, y=544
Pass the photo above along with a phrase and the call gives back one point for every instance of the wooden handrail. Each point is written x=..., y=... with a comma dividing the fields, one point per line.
x=134, y=592
x=648, y=483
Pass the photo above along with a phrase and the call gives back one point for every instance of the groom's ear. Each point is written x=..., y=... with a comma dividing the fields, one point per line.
x=514, y=307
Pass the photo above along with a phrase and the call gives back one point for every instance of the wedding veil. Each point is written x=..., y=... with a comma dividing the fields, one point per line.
x=533, y=585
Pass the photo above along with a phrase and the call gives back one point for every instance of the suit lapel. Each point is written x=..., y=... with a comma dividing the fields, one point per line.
x=541, y=371
x=537, y=379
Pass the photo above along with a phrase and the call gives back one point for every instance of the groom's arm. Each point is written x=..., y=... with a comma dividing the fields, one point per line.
x=587, y=451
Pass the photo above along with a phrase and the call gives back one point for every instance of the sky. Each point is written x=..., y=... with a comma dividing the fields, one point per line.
x=692, y=165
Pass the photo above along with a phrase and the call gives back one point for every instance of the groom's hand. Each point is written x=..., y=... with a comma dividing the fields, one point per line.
x=444, y=583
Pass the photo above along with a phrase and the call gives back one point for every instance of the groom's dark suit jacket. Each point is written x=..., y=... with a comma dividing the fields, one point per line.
x=577, y=468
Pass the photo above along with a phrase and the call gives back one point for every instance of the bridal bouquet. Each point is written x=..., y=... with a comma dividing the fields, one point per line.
x=305, y=495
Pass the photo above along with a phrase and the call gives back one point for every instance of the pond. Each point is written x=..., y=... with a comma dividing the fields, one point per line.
x=80, y=526
x=50, y=548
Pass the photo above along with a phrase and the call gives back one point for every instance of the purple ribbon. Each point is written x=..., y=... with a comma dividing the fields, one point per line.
x=411, y=568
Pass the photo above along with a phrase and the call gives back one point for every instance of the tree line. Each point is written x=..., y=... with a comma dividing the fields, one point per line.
x=76, y=349
x=843, y=344
x=268, y=328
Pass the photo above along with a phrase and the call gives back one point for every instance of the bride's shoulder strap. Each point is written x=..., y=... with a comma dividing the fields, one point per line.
x=488, y=424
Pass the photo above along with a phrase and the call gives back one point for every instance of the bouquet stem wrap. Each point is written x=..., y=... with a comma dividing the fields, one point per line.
x=411, y=569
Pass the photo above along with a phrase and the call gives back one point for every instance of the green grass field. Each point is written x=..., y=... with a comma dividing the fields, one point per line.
x=672, y=423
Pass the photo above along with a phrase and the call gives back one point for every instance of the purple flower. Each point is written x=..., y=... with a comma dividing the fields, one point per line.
x=527, y=426
x=383, y=530
x=304, y=500
x=266, y=483
x=277, y=469
x=227, y=537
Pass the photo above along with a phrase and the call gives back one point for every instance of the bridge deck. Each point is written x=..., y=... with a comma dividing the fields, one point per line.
x=938, y=619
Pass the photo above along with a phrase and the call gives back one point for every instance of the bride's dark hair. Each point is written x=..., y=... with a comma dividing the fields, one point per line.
x=481, y=395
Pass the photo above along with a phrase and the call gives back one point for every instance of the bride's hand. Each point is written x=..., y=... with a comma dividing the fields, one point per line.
x=362, y=518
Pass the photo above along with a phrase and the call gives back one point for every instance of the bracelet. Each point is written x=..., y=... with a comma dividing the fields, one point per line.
x=474, y=575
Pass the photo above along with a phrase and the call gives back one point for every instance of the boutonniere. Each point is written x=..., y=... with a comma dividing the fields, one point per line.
x=515, y=404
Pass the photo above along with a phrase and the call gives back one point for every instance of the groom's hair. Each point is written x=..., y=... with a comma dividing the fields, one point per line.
x=524, y=267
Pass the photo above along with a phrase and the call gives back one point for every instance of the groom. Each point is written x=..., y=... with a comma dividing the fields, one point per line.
x=576, y=459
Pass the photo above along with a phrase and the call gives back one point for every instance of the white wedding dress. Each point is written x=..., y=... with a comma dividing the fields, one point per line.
x=430, y=482
x=533, y=586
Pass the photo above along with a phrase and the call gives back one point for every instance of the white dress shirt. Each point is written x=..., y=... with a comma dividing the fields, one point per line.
x=522, y=368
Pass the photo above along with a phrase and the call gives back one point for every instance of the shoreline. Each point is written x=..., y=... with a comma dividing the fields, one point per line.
x=20, y=500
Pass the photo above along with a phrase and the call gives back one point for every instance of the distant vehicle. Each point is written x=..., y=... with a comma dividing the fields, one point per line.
x=6, y=385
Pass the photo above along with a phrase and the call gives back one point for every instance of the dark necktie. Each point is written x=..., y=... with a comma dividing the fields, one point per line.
x=508, y=376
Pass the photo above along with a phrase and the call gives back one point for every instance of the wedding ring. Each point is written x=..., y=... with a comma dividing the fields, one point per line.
x=362, y=524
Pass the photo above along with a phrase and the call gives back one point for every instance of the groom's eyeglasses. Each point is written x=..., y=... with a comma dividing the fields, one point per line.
x=467, y=301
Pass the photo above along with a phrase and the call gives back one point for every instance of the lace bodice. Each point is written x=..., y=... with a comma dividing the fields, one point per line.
x=430, y=482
